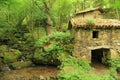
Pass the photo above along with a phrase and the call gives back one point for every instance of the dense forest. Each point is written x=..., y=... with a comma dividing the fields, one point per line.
x=35, y=33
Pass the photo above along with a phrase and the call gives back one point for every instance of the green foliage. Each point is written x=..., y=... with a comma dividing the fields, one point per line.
x=19, y=65
x=12, y=56
x=39, y=9
x=16, y=52
x=114, y=3
x=64, y=9
x=73, y=69
x=77, y=69
x=77, y=63
x=11, y=12
x=113, y=73
x=39, y=32
x=81, y=75
x=3, y=48
x=115, y=63
x=49, y=48
x=54, y=36
x=90, y=21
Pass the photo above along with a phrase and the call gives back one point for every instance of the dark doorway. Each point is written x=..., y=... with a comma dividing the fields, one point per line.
x=99, y=58
x=99, y=55
x=96, y=55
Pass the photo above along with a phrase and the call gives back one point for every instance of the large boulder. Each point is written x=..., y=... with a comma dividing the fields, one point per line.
x=4, y=68
x=51, y=47
x=19, y=64
x=43, y=58
x=0, y=62
x=12, y=56
x=3, y=48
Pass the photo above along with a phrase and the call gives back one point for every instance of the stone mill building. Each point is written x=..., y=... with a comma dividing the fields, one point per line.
x=95, y=38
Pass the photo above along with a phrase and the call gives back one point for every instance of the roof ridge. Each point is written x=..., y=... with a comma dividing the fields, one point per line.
x=89, y=10
x=99, y=23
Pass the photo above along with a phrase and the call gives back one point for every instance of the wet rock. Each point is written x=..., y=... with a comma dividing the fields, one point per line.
x=46, y=58
x=19, y=64
x=3, y=48
x=0, y=61
x=4, y=68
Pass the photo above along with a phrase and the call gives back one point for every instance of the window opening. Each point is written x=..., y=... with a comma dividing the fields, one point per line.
x=95, y=34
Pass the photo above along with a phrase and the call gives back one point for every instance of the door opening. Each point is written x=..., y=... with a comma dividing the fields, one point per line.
x=99, y=55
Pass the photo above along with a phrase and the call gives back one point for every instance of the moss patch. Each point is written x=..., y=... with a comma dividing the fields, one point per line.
x=19, y=65
x=12, y=56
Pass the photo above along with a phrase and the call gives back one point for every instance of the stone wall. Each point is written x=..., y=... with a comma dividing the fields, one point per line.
x=84, y=42
x=115, y=43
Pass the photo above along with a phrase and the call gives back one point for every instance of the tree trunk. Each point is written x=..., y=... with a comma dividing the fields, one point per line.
x=48, y=21
x=49, y=24
x=117, y=13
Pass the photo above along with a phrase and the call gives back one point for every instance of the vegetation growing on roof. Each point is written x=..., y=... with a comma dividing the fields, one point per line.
x=90, y=21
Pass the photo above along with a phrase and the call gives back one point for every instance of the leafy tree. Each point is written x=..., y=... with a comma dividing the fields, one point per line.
x=62, y=10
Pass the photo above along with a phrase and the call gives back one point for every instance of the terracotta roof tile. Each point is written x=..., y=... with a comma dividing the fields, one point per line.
x=99, y=23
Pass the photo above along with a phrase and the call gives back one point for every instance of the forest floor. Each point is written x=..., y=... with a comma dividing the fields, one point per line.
x=29, y=73
x=45, y=71
x=100, y=69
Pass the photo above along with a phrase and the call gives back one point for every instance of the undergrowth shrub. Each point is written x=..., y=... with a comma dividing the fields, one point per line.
x=77, y=69
x=77, y=63
x=115, y=63
x=113, y=73
x=50, y=47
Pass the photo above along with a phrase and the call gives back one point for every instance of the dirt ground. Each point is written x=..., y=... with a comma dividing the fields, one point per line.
x=100, y=69
x=30, y=73
x=34, y=73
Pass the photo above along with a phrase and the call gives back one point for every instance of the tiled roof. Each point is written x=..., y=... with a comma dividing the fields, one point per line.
x=89, y=10
x=99, y=23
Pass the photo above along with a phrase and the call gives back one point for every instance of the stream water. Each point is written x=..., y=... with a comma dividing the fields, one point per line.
x=32, y=73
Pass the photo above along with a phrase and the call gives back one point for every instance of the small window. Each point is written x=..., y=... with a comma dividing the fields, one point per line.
x=95, y=34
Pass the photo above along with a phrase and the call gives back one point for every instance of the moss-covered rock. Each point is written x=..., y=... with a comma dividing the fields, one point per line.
x=49, y=48
x=19, y=64
x=29, y=56
x=39, y=57
x=3, y=48
x=0, y=61
x=12, y=56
